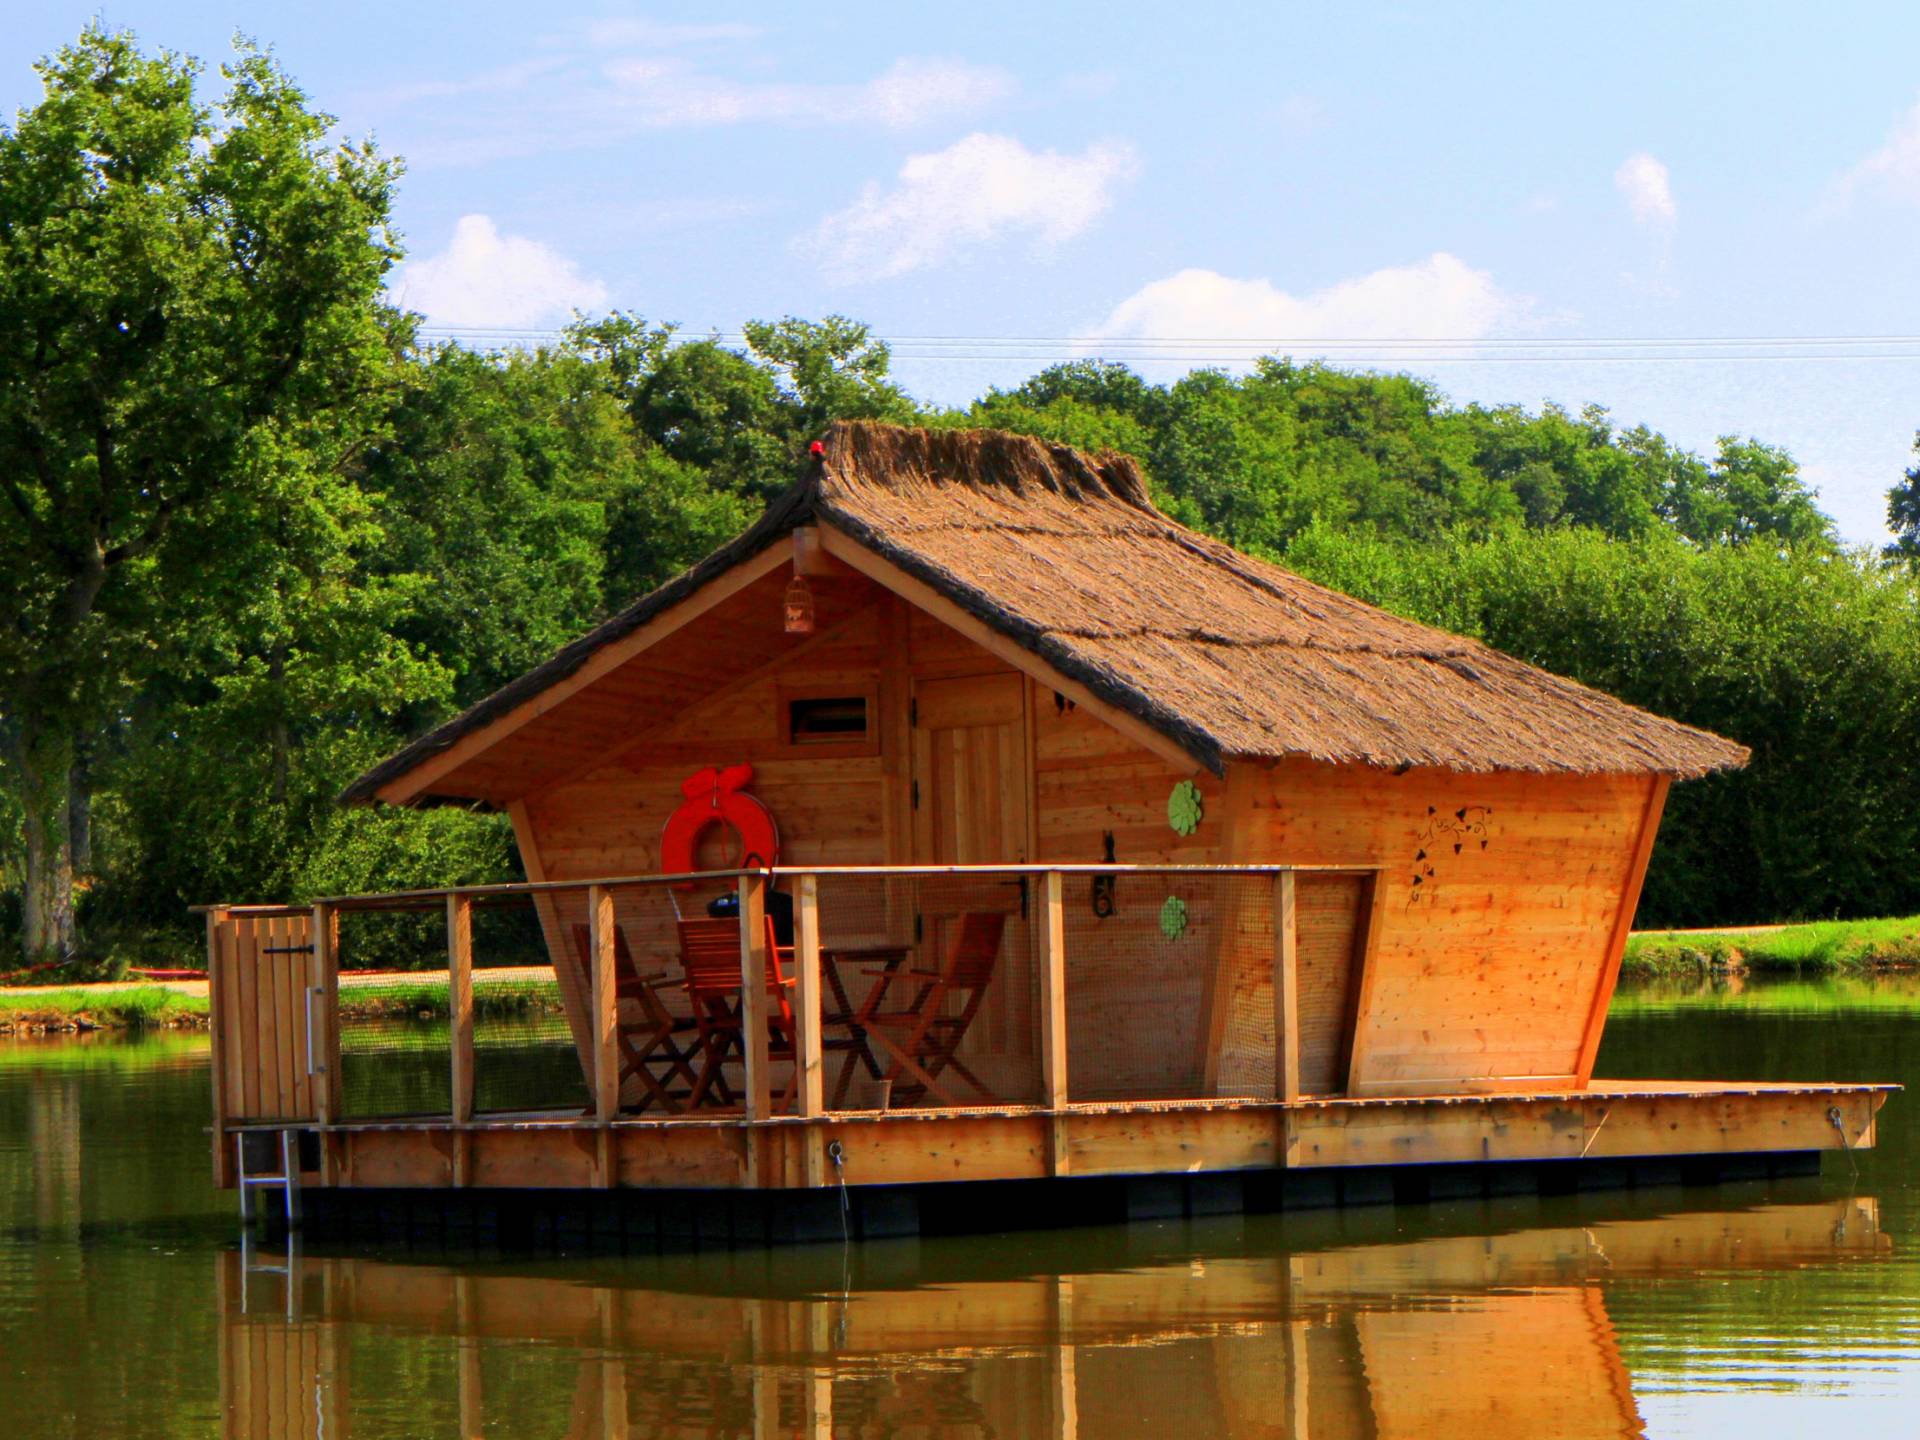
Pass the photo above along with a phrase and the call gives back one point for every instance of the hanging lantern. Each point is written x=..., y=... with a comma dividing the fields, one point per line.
x=799, y=606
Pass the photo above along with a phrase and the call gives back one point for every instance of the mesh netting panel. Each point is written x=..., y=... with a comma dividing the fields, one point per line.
x=524, y=1052
x=1144, y=954
x=395, y=1048
x=931, y=991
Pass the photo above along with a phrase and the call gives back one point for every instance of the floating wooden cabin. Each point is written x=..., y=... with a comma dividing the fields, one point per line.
x=1108, y=851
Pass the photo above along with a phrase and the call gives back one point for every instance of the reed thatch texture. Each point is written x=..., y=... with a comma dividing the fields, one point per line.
x=1229, y=656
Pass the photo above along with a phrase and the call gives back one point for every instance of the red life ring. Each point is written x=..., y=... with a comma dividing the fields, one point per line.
x=714, y=797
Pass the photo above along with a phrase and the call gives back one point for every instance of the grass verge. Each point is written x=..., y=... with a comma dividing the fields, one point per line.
x=1820, y=946
x=140, y=1007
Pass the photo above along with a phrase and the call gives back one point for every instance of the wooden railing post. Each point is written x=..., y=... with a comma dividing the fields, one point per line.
x=1053, y=1017
x=460, y=1008
x=220, y=1044
x=605, y=1027
x=753, y=997
x=810, y=1089
x=606, y=1062
x=1286, y=988
x=324, y=1049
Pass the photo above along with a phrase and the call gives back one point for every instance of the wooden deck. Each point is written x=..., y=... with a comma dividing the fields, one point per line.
x=1170, y=1103
x=1614, y=1120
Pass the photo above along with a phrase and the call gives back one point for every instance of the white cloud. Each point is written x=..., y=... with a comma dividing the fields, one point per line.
x=1894, y=169
x=1643, y=182
x=486, y=278
x=659, y=92
x=977, y=191
x=608, y=34
x=1440, y=297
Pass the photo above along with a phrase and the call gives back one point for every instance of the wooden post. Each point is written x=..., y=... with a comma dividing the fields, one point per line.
x=1286, y=989
x=460, y=1005
x=1053, y=1019
x=1360, y=987
x=219, y=1043
x=817, y=1424
x=325, y=1053
x=753, y=1008
x=605, y=1023
x=1622, y=927
x=810, y=1092
x=1064, y=1391
x=467, y=1377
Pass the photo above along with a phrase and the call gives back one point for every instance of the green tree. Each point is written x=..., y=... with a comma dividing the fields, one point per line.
x=829, y=370
x=1903, y=514
x=180, y=287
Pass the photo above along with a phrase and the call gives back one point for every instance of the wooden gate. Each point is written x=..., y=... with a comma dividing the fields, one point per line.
x=261, y=972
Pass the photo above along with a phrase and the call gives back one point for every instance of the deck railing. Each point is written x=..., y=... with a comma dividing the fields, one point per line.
x=1081, y=984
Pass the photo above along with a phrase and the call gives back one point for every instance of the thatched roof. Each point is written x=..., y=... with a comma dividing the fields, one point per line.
x=1228, y=656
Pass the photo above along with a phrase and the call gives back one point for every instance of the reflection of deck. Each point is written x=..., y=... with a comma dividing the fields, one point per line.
x=1610, y=1121
x=1495, y=1335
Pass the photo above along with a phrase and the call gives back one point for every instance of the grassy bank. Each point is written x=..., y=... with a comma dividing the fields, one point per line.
x=84, y=1007
x=1821, y=946
x=162, y=1007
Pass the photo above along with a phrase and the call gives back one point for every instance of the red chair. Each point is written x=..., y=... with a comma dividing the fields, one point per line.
x=923, y=1036
x=710, y=958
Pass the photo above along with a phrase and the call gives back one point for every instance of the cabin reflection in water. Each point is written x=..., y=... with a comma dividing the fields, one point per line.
x=1493, y=1336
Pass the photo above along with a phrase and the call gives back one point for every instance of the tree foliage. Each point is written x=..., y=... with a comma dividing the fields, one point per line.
x=253, y=535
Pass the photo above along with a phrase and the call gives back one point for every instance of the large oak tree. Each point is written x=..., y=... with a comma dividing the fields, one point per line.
x=185, y=289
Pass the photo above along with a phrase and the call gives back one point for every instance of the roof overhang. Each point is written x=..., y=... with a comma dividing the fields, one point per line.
x=446, y=764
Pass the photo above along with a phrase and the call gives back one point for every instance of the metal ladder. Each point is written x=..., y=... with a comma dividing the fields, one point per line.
x=286, y=1180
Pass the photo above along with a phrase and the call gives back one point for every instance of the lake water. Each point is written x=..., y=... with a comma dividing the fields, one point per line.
x=1761, y=1309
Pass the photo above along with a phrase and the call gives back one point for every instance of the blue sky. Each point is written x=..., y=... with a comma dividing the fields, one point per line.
x=1047, y=180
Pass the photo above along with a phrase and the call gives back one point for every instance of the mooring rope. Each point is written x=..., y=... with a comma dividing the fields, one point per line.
x=1846, y=1140
x=839, y=1158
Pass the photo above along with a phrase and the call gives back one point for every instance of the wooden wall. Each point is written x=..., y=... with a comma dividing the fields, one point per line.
x=1502, y=905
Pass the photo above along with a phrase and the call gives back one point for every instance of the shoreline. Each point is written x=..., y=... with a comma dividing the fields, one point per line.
x=517, y=991
x=1815, y=947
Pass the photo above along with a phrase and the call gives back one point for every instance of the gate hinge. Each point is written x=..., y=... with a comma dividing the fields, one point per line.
x=916, y=794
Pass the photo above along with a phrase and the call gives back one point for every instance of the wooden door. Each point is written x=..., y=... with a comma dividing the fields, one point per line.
x=971, y=787
x=970, y=782
x=262, y=971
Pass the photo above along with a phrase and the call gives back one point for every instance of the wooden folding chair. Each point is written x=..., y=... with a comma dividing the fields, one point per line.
x=710, y=957
x=651, y=1051
x=922, y=1038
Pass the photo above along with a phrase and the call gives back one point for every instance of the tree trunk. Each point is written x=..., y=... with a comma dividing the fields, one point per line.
x=46, y=770
x=80, y=814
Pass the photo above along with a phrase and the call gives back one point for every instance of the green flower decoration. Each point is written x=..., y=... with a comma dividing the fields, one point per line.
x=1184, y=809
x=1173, y=918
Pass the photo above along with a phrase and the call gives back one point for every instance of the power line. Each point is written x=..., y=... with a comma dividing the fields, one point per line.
x=1429, y=350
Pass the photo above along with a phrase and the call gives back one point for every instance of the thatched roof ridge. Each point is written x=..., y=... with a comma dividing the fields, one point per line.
x=1065, y=554
x=1228, y=655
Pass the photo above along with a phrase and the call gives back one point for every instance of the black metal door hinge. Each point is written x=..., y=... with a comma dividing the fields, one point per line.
x=916, y=794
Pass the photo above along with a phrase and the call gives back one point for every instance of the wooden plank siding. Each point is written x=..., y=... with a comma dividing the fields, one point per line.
x=1500, y=898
